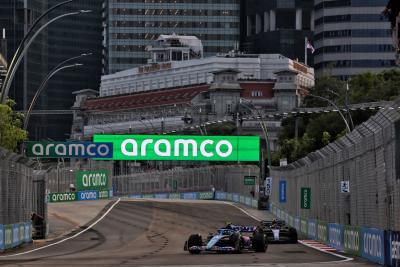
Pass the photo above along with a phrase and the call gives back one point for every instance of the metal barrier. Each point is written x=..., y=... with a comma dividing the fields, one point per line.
x=352, y=181
x=18, y=198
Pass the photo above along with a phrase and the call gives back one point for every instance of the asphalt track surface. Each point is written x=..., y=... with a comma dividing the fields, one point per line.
x=151, y=233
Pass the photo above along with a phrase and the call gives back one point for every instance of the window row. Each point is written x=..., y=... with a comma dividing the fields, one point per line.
x=174, y=12
x=348, y=3
x=351, y=18
x=355, y=48
x=146, y=36
x=179, y=1
x=353, y=33
x=142, y=48
x=175, y=24
x=356, y=64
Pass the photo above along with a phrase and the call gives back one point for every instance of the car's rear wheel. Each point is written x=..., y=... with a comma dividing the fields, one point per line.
x=194, y=241
x=293, y=235
x=259, y=242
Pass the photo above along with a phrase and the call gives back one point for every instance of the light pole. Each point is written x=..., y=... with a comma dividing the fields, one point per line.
x=21, y=44
x=333, y=104
x=7, y=84
x=41, y=87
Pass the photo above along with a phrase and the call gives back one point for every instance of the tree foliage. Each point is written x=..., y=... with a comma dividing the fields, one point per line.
x=318, y=130
x=11, y=133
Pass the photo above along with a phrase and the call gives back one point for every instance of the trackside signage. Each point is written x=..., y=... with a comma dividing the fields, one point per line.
x=62, y=197
x=102, y=150
x=1, y=237
x=394, y=249
x=373, y=245
x=352, y=241
x=180, y=147
x=92, y=180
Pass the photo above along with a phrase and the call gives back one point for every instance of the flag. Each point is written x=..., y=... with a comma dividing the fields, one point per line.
x=309, y=46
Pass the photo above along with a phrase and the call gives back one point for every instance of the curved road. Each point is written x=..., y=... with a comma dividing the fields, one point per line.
x=152, y=233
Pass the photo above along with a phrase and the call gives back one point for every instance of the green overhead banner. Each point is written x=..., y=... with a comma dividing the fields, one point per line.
x=305, y=198
x=181, y=147
x=92, y=180
x=249, y=180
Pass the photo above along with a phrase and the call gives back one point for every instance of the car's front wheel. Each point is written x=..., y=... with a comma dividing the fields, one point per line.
x=194, y=241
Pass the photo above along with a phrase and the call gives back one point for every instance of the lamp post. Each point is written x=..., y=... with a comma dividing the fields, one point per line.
x=21, y=44
x=334, y=105
x=12, y=71
x=41, y=88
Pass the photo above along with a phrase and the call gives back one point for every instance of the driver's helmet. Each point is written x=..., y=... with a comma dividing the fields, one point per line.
x=228, y=225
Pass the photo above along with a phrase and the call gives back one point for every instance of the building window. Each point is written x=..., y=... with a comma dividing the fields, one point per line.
x=256, y=93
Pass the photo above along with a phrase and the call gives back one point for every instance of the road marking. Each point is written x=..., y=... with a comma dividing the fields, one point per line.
x=68, y=238
x=326, y=249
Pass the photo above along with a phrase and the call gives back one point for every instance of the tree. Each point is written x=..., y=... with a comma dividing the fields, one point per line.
x=11, y=133
x=318, y=130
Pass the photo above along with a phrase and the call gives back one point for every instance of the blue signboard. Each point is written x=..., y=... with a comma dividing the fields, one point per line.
x=161, y=196
x=15, y=235
x=312, y=229
x=189, y=196
x=220, y=195
x=69, y=150
x=394, y=249
x=282, y=191
x=88, y=195
x=336, y=236
x=1, y=237
x=373, y=243
x=247, y=201
x=235, y=197
x=28, y=232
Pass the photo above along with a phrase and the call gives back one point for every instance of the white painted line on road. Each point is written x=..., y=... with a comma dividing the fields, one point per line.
x=68, y=238
x=345, y=259
x=327, y=252
x=242, y=210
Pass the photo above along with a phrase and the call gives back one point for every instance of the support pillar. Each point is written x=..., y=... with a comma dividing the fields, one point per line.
x=299, y=19
x=266, y=21
x=272, y=20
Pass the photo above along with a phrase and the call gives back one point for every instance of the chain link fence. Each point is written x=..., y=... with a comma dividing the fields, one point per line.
x=226, y=178
x=368, y=158
x=16, y=188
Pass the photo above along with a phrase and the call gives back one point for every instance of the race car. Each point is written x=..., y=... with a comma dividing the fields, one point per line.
x=232, y=238
x=277, y=231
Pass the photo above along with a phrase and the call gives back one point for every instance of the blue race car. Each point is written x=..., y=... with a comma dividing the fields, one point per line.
x=232, y=238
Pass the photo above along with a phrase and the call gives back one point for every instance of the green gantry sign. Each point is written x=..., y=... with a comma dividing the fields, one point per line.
x=249, y=180
x=63, y=197
x=181, y=147
x=305, y=198
x=92, y=180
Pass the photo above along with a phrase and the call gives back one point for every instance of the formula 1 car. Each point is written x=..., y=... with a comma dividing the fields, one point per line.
x=277, y=231
x=232, y=238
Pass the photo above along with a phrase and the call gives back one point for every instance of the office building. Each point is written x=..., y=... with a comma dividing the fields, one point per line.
x=352, y=37
x=71, y=37
x=131, y=25
x=15, y=17
x=269, y=27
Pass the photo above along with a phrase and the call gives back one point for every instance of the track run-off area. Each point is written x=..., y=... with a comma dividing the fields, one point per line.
x=152, y=233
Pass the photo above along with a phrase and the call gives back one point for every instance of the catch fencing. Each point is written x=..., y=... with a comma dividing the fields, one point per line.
x=353, y=181
x=227, y=178
x=17, y=199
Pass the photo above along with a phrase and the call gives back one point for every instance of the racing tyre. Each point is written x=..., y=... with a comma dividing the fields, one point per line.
x=259, y=242
x=194, y=240
x=293, y=235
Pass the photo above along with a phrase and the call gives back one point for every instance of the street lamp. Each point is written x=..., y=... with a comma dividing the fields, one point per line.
x=256, y=113
x=41, y=87
x=21, y=44
x=333, y=104
x=12, y=71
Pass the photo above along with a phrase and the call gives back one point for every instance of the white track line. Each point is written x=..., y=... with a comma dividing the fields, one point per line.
x=68, y=238
x=345, y=259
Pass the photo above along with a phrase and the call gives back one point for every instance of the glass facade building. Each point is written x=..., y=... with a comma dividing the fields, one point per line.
x=16, y=16
x=132, y=25
x=70, y=37
x=351, y=37
x=277, y=27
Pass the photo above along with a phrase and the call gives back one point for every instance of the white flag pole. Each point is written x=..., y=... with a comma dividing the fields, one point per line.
x=305, y=50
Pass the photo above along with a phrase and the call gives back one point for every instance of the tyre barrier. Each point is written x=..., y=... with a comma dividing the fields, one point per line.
x=375, y=245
